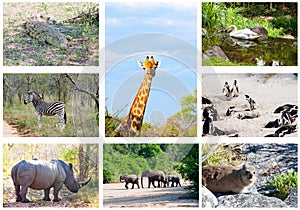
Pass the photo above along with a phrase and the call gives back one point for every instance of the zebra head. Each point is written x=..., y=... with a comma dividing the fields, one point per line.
x=32, y=95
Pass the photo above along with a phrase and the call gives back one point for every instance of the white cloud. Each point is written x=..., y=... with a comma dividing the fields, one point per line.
x=112, y=20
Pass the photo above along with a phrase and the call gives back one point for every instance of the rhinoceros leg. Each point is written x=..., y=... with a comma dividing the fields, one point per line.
x=17, y=189
x=24, y=190
x=46, y=195
x=56, y=191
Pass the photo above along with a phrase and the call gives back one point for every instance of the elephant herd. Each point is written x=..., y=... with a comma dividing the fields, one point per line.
x=161, y=177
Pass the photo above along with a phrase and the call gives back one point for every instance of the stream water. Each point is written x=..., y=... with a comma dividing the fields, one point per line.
x=271, y=51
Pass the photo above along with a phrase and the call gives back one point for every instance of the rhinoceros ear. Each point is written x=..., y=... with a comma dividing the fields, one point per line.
x=71, y=166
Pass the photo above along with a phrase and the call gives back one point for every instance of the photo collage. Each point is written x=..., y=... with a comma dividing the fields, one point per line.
x=101, y=104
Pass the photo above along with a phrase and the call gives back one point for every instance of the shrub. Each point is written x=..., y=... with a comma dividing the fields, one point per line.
x=107, y=176
x=283, y=183
x=189, y=168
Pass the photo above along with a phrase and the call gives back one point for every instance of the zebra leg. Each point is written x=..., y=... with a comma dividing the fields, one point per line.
x=63, y=121
x=40, y=121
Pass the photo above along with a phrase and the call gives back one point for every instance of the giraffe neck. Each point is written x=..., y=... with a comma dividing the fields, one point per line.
x=132, y=124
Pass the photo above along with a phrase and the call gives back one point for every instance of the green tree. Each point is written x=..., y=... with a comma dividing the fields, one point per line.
x=189, y=168
x=183, y=123
x=149, y=150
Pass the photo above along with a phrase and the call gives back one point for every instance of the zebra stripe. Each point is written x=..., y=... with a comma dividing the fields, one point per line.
x=45, y=108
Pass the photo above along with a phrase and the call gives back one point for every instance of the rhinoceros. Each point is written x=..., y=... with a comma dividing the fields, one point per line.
x=43, y=175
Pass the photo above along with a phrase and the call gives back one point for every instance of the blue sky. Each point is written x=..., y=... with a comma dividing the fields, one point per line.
x=168, y=31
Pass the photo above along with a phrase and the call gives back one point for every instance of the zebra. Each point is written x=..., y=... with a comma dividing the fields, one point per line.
x=48, y=109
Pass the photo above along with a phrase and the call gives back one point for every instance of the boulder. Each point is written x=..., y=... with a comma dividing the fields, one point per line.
x=250, y=201
x=292, y=199
x=215, y=51
x=260, y=30
x=209, y=200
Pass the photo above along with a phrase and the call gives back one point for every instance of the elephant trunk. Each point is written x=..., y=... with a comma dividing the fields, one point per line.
x=81, y=184
x=123, y=178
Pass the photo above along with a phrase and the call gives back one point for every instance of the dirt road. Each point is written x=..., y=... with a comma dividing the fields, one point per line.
x=115, y=195
x=9, y=131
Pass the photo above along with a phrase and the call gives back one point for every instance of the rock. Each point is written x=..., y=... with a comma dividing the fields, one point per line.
x=204, y=32
x=209, y=200
x=292, y=199
x=250, y=201
x=288, y=36
x=271, y=160
x=215, y=51
x=260, y=30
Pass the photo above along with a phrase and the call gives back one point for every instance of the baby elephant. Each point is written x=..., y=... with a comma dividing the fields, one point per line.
x=174, y=179
x=131, y=178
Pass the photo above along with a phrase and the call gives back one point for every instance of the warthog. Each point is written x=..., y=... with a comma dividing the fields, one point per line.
x=43, y=175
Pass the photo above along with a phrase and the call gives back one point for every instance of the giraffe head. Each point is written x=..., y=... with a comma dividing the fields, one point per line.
x=149, y=66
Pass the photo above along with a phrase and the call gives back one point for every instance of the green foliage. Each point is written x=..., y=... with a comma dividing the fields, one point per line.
x=288, y=25
x=264, y=9
x=107, y=176
x=80, y=107
x=182, y=123
x=283, y=183
x=189, y=168
x=211, y=14
x=213, y=155
x=149, y=150
x=216, y=16
x=70, y=155
x=135, y=158
x=214, y=61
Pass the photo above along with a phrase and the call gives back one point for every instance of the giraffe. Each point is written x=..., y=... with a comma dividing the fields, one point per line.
x=131, y=125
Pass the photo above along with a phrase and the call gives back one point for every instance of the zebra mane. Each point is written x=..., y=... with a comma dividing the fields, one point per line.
x=37, y=95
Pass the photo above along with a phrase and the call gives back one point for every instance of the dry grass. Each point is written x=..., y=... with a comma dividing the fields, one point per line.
x=21, y=49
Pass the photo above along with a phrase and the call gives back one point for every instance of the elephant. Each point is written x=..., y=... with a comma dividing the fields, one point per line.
x=173, y=179
x=156, y=175
x=43, y=175
x=131, y=178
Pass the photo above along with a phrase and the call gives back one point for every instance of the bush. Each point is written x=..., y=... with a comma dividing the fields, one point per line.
x=288, y=25
x=283, y=183
x=219, y=154
x=216, y=16
x=189, y=168
x=107, y=176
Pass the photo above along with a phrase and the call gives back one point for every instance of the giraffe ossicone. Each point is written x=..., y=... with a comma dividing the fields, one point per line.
x=131, y=125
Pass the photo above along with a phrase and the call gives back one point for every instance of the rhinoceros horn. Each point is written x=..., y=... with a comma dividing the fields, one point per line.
x=81, y=184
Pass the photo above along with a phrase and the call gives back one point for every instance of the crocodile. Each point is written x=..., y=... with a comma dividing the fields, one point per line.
x=45, y=33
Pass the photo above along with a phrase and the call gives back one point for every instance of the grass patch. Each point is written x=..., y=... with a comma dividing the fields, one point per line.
x=79, y=122
x=85, y=35
x=214, y=61
x=220, y=155
x=283, y=183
